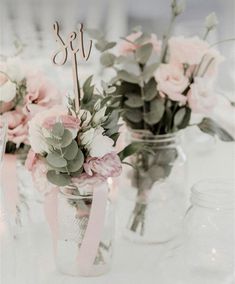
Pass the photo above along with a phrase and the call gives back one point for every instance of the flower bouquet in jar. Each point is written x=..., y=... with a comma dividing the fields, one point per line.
x=73, y=150
x=23, y=93
x=159, y=84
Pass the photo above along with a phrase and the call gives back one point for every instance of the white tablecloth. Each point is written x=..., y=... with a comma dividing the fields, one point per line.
x=29, y=260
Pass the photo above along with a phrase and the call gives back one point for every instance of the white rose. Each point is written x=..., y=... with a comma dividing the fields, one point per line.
x=7, y=91
x=96, y=143
x=100, y=145
x=14, y=69
x=99, y=116
x=87, y=136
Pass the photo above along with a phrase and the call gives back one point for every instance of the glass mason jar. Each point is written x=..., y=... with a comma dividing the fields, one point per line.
x=84, y=241
x=209, y=230
x=23, y=204
x=156, y=188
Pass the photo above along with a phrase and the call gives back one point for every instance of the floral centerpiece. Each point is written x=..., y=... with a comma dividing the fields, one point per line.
x=159, y=84
x=73, y=150
x=23, y=93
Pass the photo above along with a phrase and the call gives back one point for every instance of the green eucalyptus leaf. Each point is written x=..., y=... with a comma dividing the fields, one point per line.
x=134, y=101
x=54, y=142
x=130, y=150
x=58, y=130
x=209, y=126
x=127, y=77
x=88, y=89
x=149, y=71
x=107, y=59
x=56, y=160
x=66, y=138
x=143, y=53
x=103, y=45
x=77, y=163
x=185, y=122
x=95, y=33
x=150, y=90
x=179, y=116
x=70, y=151
x=134, y=115
x=58, y=178
x=143, y=38
x=157, y=110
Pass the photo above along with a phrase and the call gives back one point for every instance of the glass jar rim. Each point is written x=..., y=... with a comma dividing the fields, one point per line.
x=137, y=133
x=217, y=193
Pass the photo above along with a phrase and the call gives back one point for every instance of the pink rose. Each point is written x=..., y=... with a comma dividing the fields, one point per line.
x=187, y=50
x=127, y=47
x=171, y=82
x=36, y=125
x=201, y=97
x=17, y=127
x=30, y=160
x=68, y=121
x=41, y=93
x=107, y=166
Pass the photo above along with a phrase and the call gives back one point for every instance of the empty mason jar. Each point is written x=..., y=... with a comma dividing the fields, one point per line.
x=155, y=188
x=85, y=233
x=210, y=231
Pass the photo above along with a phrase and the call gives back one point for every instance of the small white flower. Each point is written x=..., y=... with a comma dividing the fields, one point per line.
x=87, y=114
x=86, y=137
x=14, y=69
x=96, y=143
x=99, y=116
x=7, y=91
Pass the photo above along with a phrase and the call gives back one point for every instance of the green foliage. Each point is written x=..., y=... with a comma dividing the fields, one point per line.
x=143, y=53
x=107, y=59
x=129, y=150
x=209, y=126
x=58, y=178
x=127, y=77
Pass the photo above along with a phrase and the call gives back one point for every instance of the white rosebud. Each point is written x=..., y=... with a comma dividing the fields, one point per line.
x=85, y=116
x=7, y=91
x=211, y=21
x=97, y=106
x=178, y=8
x=87, y=137
x=99, y=116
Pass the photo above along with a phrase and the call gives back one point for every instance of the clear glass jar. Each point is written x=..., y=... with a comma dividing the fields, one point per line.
x=155, y=188
x=210, y=231
x=22, y=202
x=75, y=225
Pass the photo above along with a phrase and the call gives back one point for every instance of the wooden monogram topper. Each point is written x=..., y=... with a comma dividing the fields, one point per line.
x=67, y=47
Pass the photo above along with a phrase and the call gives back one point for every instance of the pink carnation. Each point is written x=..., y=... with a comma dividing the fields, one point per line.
x=17, y=127
x=107, y=166
x=127, y=46
x=68, y=121
x=171, y=82
x=41, y=93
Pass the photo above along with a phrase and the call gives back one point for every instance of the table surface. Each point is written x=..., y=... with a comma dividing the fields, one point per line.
x=29, y=259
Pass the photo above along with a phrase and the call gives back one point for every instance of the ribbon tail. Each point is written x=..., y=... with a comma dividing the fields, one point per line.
x=90, y=244
x=9, y=183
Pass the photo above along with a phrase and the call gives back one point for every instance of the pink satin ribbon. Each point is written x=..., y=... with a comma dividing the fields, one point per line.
x=9, y=183
x=93, y=234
